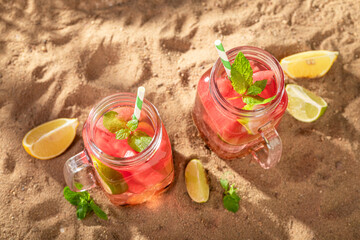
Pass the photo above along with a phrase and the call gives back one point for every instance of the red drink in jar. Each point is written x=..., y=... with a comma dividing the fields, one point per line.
x=125, y=175
x=230, y=131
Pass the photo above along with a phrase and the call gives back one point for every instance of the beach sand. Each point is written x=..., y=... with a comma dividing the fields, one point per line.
x=59, y=58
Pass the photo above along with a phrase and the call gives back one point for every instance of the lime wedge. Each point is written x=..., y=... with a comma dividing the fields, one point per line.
x=304, y=105
x=196, y=181
x=111, y=180
x=245, y=123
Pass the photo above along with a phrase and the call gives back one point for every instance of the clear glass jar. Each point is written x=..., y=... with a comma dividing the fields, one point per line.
x=232, y=132
x=133, y=178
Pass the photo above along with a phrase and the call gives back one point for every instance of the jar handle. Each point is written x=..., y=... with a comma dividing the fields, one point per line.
x=268, y=152
x=78, y=173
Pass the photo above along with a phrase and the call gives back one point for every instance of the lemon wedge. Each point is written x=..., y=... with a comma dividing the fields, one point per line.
x=310, y=64
x=304, y=105
x=51, y=138
x=196, y=181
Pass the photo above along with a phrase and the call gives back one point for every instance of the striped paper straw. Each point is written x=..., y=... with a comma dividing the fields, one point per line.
x=139, y=102
x=223, y=57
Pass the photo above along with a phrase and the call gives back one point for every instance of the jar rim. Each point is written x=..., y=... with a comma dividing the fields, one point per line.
x=111, y=102
x=265, y=57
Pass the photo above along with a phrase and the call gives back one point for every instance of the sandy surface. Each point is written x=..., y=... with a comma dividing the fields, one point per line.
x=58, y=58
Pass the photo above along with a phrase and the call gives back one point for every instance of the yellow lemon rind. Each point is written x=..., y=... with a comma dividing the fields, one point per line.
x=29, y=147
x=297, y=66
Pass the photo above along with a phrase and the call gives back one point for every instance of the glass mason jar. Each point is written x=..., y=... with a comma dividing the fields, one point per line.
x=131, y=178
x=232, y=132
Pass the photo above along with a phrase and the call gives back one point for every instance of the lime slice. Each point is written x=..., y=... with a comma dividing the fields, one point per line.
x=245, y=123
x=196, y=181
x=112, y=181
x=304, y=105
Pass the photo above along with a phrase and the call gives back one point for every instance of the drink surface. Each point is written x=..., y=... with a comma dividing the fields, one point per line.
x=229, y=136
x=106, y=140
x=131, y=183
x=260, y=72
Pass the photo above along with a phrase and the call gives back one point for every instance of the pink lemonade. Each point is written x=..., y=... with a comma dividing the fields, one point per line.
x=125, y=175
x=106, y=140
x=227, y=129
x=135, y=183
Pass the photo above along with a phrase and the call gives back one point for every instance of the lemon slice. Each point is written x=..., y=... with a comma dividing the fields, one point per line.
x=311, y=64
x=196, y=181
x=51, y=138
x=304, y=105
x=111, y=180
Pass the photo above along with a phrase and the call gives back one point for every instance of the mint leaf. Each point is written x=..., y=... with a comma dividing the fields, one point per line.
x=83, y=202
x=100, y=213
x=132, y=124
x=112, y=123
x=232, y=190
x=224, y=184
x=248, y=107
x=72, y=197
x=139, y=141
x=231, y=199
x=251, y=101
x=235, y=197
x=231, y=203
x=257, y=87
x=84, y=196
x=82, y=210
x=241, y=74
x=122, y=134
x=253, y=90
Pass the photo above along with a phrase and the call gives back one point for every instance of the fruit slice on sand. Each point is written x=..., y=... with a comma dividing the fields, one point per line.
x=304, y=105
x=196, y=181
x=111, y=180
x=311, y=64
x=51, y=138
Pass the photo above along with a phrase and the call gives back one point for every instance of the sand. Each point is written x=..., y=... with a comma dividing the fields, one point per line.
x=59, y=58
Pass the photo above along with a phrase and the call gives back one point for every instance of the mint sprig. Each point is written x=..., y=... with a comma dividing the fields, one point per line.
x=122, y=133
x=84, y=204
x=137, y=140
x=132, y=124
x=231, y=199
x=241, y=74
x=256, y=88
x=242, y=81
x=251, y=101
